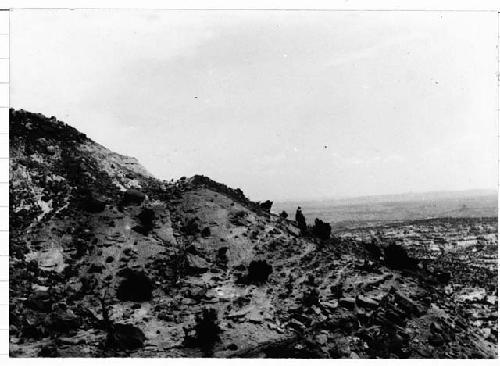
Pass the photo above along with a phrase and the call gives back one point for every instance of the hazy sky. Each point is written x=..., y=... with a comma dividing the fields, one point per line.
x=285, y=105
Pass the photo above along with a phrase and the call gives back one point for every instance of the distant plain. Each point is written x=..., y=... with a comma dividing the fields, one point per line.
x=373, y=210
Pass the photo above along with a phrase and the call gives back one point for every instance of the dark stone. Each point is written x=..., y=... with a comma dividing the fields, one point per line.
x=133, y=196
x=436, y=340
x=96, y=268
x=93, y=204
x=141, y=230
x=337, y=290
x=196, y=263
x=48, y=351
x=436, y=328
x=126, y=337
x=444, y=277
x=64, y=322
x=205, y=233
x=347, y=302
x=39, y=301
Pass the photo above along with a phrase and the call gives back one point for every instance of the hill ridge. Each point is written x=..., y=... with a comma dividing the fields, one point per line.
x=108, y=261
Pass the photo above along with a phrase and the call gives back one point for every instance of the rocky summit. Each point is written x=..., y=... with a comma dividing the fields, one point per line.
x=108, y=261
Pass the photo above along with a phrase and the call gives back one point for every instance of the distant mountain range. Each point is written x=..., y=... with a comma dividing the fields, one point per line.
x=397, y=207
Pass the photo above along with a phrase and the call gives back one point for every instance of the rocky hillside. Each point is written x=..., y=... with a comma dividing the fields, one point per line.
x=106, y=260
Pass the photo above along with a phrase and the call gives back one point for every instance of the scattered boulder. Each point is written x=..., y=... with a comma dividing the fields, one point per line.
x=367, y=302
x=443, y=277
x=48, y=351
x=196, y=263
x=436, y=340
x=347, y=302
x=39, y=301
x=337, y=290
x=205, y=233
x=93, y=204
x=64, y=321
x=133, y=197
x=126, y=337
x=50, y=149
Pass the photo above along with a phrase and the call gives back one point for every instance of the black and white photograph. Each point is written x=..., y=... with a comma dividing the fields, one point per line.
x=302, y=184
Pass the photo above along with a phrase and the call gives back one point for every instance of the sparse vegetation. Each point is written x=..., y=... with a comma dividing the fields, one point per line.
x=300, y=220
x=222, y=256
x=331, y=300
x=237, y=217
x=395, y=256
x=205, y=233
x=146, y=218
x=258, y=272
x=266, y=206
x=190, y=226
x=136, y=286
x=321, y=230
x=206, y=332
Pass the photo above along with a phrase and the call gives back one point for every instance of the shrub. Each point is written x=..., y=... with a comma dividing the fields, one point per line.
x=373, y=249
x=191, y=227
x=146, y=218
x=322, y=230
x=135, y=287
x=237, y=217
x=258, y=272
x=266, y=206
x=93, y=204
x=301, y=220
x=206, y=332
x=395, y=256
x=125, y=337
x=205, y=233
x=222, y=256
x=311, y=297
x=284, y=215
